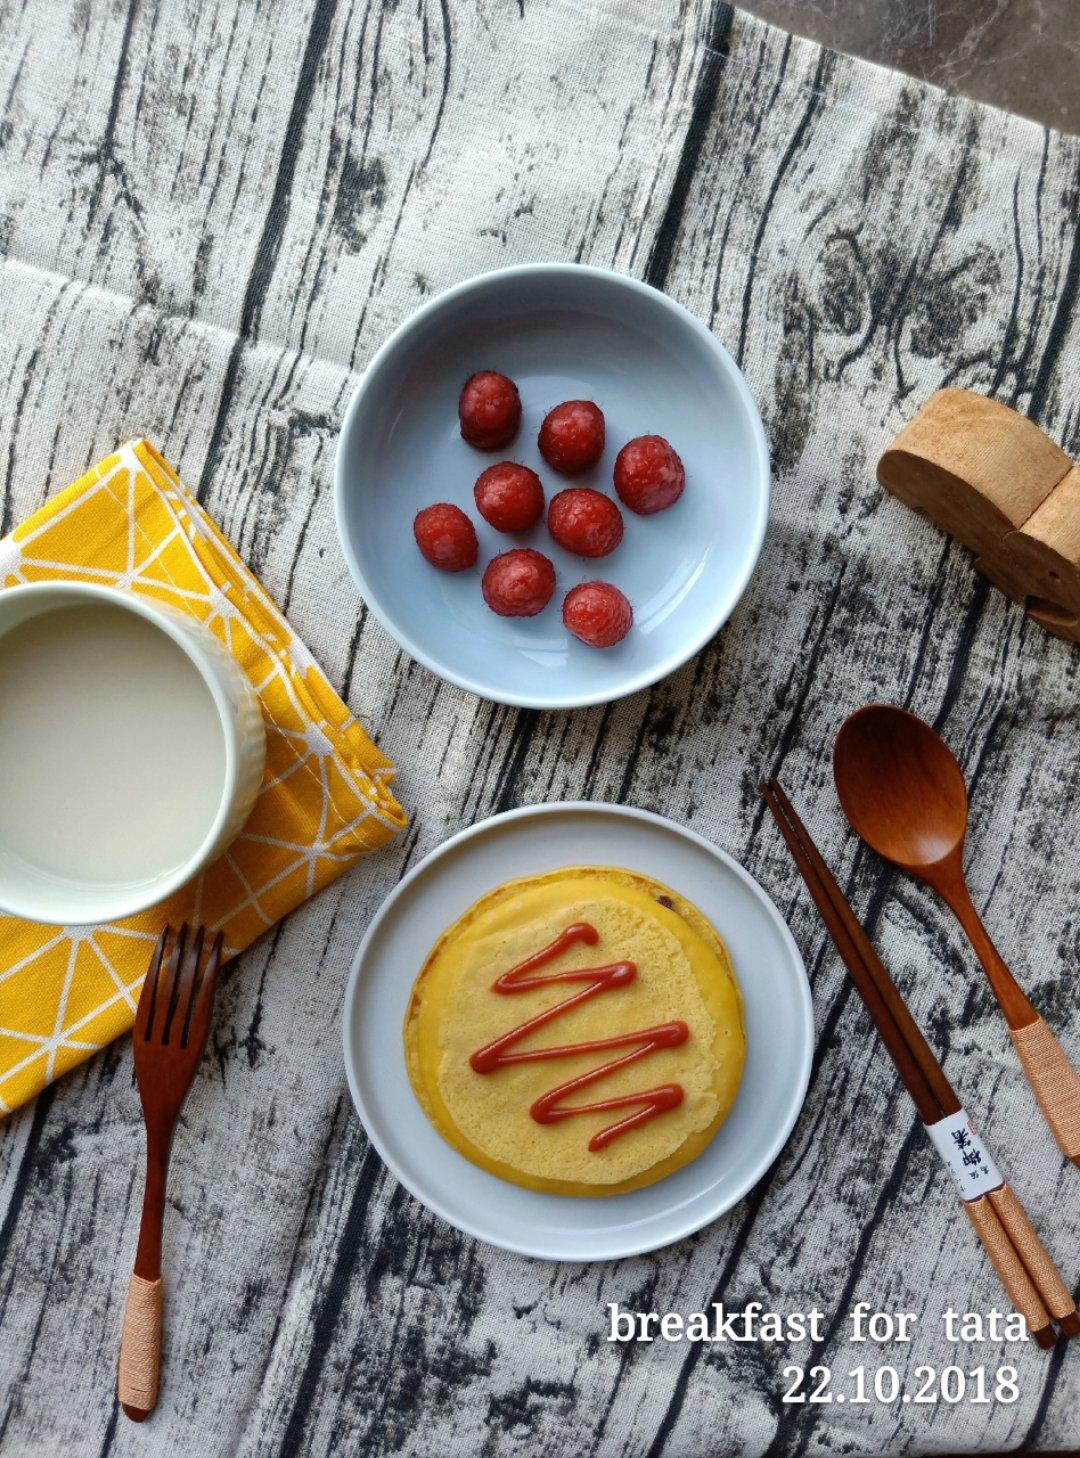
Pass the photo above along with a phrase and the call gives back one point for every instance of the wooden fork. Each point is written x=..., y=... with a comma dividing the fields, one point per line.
x=171, y=1028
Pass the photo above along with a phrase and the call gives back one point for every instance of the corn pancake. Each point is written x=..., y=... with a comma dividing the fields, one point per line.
x=683, y=973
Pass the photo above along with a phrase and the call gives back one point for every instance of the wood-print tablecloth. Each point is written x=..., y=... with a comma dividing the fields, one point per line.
x=211, y=214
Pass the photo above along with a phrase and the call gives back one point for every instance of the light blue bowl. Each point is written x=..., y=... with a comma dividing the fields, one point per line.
x=562, y=332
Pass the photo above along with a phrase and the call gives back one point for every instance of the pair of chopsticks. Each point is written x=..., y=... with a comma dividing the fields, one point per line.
x=1027, y=1272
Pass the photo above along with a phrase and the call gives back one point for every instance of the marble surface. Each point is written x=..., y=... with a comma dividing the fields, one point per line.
x=1017, y=54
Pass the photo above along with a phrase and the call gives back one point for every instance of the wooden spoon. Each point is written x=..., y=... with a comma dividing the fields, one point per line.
x=904, y=794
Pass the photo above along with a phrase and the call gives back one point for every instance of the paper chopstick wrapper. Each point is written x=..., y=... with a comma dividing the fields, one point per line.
x=965, y=1155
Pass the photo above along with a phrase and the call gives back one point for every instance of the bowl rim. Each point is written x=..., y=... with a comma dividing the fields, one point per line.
x=727, y=601
x=770, y=1150
x=113, y=905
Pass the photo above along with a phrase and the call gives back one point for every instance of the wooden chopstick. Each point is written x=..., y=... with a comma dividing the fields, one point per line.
x=919, y=1069
x=1026, y=1269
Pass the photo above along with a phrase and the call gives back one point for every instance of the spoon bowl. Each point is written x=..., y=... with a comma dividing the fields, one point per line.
x=901, y=787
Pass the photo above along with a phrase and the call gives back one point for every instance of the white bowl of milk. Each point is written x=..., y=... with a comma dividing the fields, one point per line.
x=132, y=748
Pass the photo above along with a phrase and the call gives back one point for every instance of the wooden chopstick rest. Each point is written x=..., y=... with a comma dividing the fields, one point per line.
x=997, y=483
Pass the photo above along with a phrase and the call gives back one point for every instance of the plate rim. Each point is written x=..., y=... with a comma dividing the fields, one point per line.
x=601, y=808
x=712, y=623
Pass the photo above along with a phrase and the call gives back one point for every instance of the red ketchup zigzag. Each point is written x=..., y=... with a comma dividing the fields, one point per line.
x=548, y=1108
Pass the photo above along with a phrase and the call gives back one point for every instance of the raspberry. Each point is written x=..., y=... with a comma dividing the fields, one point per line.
x=597, y=613
x=446, y=537
x=509, y=497
x=648, y=474
x=583, y=521
x=518, y=584
x=489, y=408
x=572, y=436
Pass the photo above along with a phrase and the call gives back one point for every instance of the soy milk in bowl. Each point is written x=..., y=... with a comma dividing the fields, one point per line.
x=131, y=751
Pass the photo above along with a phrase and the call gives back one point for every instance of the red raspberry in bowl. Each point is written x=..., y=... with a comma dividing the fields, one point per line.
x=489, y=409
x=597, y=613
x=509, y=497
x=446, y=537
x=648, y=474
x=585, y=522
x=572, y=436
x=519, y=583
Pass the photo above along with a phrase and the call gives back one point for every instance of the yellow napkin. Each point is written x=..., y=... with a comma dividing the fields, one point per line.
x=325, y=800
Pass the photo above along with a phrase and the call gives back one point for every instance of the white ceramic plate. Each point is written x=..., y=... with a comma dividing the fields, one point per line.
x=561, y=332
x=779, y=1021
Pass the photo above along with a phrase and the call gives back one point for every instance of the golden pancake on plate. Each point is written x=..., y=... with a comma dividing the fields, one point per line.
x=578, y=1032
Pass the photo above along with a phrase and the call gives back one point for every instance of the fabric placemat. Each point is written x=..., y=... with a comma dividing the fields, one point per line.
x=325, y=799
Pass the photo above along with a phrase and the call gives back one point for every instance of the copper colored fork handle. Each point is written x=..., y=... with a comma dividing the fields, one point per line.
x=140, y=1348
x=1055, y=1082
